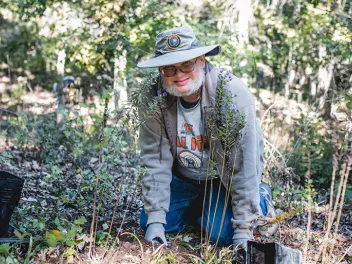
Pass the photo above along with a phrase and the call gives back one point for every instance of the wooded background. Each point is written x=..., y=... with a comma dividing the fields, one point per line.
x=294, y=55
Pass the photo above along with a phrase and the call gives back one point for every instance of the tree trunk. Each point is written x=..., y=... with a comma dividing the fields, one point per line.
x=326, y=111
x=324, y=82
x=60, y=67
x=120, y=87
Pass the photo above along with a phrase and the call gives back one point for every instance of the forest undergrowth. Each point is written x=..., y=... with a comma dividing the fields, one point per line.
x=82, y=193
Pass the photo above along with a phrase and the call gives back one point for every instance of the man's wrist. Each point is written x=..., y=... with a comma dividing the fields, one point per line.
x=156, y=217
x=156, y=224
x=242, y=234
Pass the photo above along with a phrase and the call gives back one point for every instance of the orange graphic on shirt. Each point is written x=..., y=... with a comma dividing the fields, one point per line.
x=188, y=128
x=196, y=142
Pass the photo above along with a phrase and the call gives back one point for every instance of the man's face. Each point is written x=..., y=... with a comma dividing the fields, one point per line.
x=185, y=84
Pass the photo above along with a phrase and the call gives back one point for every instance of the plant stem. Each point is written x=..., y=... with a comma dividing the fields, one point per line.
x=330, y=217
x=94, y=224
x=29, y=253
x=346, y=174
x=309, y=222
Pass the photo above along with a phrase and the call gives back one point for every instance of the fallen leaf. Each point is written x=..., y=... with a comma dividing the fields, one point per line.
x=93, y=160
x=187, y=239
x=35, y=165
x=29, y=199
x=42, y=255
x=70, y=259
x=27, y=165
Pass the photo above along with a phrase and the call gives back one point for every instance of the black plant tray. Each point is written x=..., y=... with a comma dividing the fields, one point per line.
x=10, y=193
x=272, y=253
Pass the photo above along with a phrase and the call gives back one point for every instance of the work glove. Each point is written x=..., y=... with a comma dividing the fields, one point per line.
x=240, y=251
x=239, y=240
x=156, y=233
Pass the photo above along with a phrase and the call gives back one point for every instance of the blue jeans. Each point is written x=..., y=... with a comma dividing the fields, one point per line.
x=186, y=203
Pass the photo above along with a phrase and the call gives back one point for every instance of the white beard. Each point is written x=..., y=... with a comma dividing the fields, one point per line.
x=193, y=85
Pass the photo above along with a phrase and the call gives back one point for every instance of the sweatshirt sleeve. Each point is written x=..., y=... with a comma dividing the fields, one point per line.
x=157, y=159
x=245, y=180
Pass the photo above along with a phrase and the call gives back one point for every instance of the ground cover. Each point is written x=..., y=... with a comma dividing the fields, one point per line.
x=62, y=196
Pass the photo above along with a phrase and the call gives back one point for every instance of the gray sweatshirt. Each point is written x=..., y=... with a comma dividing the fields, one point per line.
x=240, y=169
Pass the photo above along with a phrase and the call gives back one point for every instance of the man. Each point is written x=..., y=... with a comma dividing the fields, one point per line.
x=195, y=172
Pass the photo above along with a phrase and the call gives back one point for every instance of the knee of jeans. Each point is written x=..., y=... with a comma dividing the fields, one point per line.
x=143, y=219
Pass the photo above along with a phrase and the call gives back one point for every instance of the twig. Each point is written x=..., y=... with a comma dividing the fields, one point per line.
x=309, y=222
x=266, y=111
x=8, y=112
x=29, y=87
x=348, y=168
x=93, y=224
x=322, y=248
x=276, y=150
x=8, y=67
x=344, y=254
x=335, y=166
x=111, y=224
x=331, y=215
x=298, y=142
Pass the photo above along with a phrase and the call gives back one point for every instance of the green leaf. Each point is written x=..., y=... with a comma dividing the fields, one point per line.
x=41, y=225
x=70, y=251
x=18, y=234
x=67, y=201
x=5, y=249
x=57, y=234
x=80, y=221
x=6, y=155
x=106, y=94
x=101, y=235
x=77, y=152
x=72, y=232
x=51, y=239
x=57, y=221
x=69, y=243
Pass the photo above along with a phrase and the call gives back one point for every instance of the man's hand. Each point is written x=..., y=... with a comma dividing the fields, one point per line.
x=240, y=251
x=156, y=233
x=240, y=243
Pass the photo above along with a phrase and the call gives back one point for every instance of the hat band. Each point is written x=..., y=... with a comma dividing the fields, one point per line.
x=159, y=52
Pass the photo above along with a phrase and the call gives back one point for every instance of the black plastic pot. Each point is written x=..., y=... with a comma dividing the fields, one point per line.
x=272, y=253
x=10, y=193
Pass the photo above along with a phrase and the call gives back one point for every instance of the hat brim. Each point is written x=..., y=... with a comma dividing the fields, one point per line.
x=180, y=56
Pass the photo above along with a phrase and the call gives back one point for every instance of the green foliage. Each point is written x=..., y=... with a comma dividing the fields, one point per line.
x=225, y=121
x=73, y=144
x=5, y=249
x=69, y=234
x=313, y=152
x=289, y=198
x=229, y=120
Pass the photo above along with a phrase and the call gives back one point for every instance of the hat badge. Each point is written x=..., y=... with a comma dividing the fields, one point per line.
x=173, y=41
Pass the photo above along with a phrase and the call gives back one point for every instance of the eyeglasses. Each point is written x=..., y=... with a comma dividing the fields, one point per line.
x=185, y=67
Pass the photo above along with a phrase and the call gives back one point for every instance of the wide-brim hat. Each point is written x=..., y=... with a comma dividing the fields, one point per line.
x=177, y=45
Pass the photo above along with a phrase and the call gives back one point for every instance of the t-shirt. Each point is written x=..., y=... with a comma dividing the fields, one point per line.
x=192, y=143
